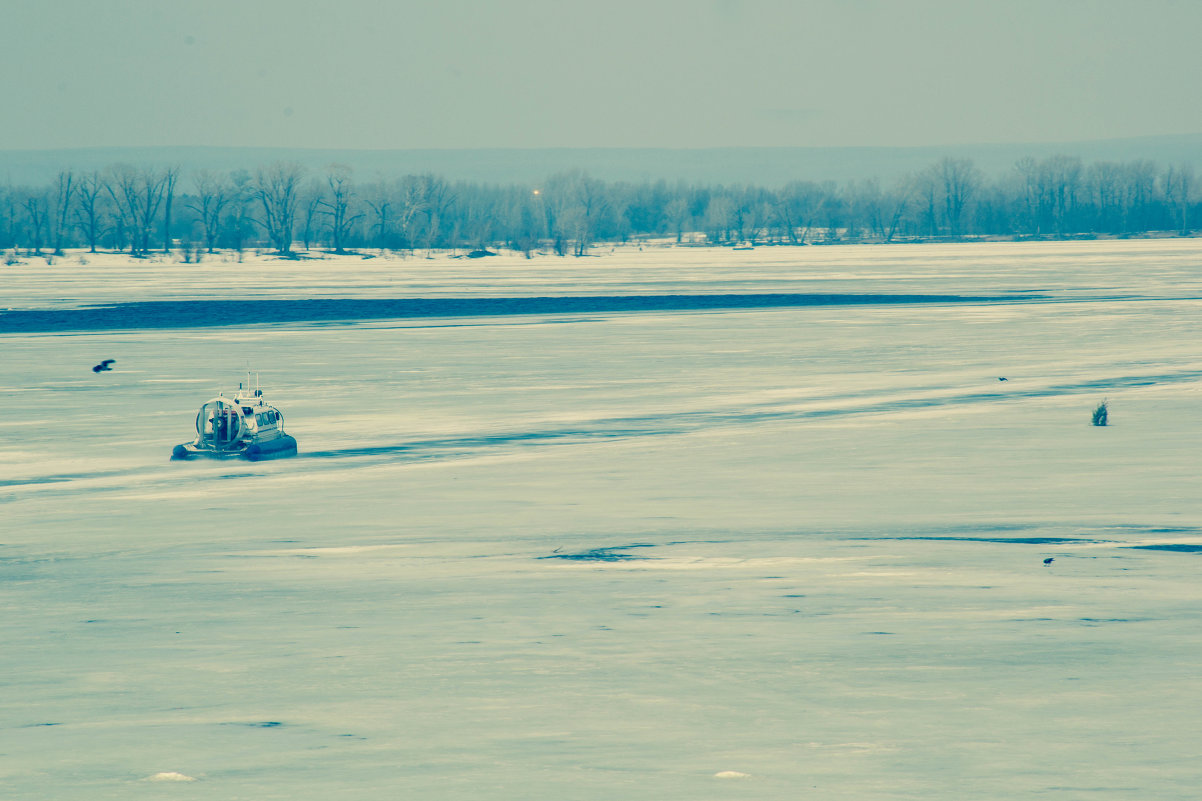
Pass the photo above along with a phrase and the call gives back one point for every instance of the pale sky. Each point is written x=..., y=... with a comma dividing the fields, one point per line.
x=611, y=73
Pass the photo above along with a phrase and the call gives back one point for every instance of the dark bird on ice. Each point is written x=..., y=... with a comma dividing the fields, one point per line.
x=1000, y=378
x=1049, y=560
x=103, y=366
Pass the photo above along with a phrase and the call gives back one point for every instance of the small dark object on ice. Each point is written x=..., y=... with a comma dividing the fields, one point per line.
x=479, y=254
x=1100, y=414
x=1001, y=379
x=103, y=366
x=1049, y=560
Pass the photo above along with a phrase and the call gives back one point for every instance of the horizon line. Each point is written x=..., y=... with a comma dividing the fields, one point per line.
x=579, y=148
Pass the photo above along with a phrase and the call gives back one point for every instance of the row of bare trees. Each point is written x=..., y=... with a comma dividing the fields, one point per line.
x=285, y=207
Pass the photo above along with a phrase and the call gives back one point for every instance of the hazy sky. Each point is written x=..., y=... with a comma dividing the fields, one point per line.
x=624, y=73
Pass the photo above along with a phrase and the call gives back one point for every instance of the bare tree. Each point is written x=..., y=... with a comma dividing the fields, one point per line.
x=899, y=202
x=1104, y=182
x=37, y=212
x=958, y=179
x=578, y=203
x=926, y=190
x=137, y=195
x=338, y=208
x=8, y=215
x=753, y=214
x=169, y=176
x=867, y=208
x=833, y=211
x=524, y=218
x=677, y=214
x=121, y=185
x=1030, y=194
x=478, y=217
x=1062, y=175
x=379, y=200
x=88, y=209
x=239, y=223
x=61, y=195
x=213, y=192
x=797, y=206
x=310, y=209
x=1139, y=188
x=277, y=188
x=719, y=219
x=1178, y=192
x=1049, y=193
x=433, y=200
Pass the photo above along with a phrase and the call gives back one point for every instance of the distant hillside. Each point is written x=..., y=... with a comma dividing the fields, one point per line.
x=758, y=165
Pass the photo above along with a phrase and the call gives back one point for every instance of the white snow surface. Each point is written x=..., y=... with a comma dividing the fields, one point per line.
x=804, y=545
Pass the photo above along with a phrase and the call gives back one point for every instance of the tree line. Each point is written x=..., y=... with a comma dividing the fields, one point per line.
x=286, y=208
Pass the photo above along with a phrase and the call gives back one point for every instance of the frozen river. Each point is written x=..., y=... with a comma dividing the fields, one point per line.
x=657, y=553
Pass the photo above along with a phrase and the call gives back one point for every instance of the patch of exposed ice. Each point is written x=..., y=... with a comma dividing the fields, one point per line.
x=169, y=776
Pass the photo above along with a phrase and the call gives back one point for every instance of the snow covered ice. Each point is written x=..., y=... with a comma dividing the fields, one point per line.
x=614, y=555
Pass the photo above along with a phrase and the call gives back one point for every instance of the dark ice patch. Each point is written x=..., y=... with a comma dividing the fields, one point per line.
x=423, y=450
x=1004, y=540
x=18, y=482
x=160, y=314
x=1176, y=547
x=1158, y=529
x=611, y=554
x=1095, y=621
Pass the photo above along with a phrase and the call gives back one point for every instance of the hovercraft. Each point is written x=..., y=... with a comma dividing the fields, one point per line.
x=244, y=426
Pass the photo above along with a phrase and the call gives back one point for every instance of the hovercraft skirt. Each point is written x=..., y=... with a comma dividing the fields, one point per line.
x=278, y=448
